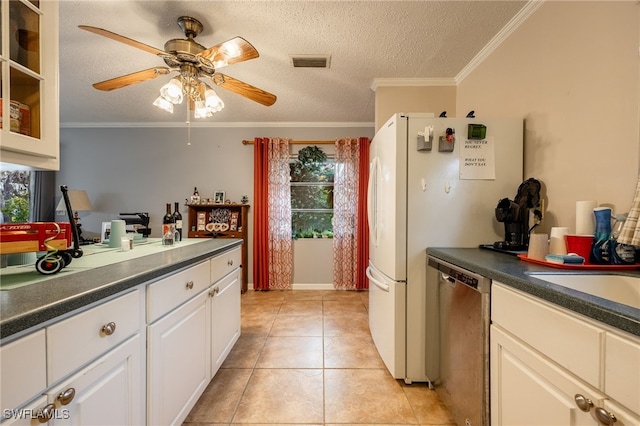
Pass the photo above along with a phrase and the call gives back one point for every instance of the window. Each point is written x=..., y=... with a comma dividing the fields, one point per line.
x=15, y=196
x=311, y=194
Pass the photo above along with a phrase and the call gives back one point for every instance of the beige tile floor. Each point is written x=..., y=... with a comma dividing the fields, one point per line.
x=307, y=358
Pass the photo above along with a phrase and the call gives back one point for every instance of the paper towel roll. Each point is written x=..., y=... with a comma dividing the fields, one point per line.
x=118, y=230
x=585, y=221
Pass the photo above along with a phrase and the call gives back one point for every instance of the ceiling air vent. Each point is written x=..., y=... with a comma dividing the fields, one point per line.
x=310, y=61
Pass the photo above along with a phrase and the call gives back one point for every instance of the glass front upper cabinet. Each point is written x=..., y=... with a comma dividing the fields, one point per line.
x=28, y=76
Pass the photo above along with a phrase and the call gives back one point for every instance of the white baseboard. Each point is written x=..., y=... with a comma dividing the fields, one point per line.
x=313, y=286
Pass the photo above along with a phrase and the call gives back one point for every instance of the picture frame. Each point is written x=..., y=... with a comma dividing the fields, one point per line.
x=218, y=197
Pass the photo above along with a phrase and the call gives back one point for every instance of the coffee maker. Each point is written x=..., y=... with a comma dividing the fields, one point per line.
x=519, y=216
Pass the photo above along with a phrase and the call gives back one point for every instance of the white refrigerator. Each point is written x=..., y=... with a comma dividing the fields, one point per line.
x=434, y=182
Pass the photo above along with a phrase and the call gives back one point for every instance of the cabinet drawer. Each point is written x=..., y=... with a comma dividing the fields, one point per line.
x=23, y=370
x=566, y=339
x=77, y=340
x=170, y=292
x=622, y=370
x=226, y=262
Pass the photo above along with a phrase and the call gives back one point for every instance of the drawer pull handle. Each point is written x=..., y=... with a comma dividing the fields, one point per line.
x=45, y=413
x=583, y=403
x=65, y=397
x=109, y=328
x=230, y=262
x=605, y=417
x=214, y=291
x=189, y=285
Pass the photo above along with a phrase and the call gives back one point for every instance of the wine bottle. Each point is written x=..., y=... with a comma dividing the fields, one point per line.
x=168, y=227
x=178, y=219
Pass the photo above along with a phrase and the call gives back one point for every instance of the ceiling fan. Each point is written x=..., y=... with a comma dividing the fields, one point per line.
x=191, y=61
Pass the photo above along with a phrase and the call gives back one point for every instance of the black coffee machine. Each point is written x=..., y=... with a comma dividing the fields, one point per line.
x=515, y=216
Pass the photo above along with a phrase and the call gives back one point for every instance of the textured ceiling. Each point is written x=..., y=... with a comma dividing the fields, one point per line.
x=366, y=40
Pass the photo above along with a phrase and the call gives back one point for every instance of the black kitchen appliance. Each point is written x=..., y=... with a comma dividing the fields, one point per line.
x=140, y=222
x=517, y=214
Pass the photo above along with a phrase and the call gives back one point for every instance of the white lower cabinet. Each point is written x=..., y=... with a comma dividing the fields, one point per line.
x=177, y=361
x=551, y=366
x=526, y=389
x=107, y=392
x=225, y=317
x=143, y=356
x=23, y=371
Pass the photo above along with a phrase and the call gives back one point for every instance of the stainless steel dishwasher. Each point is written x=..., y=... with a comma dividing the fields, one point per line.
x=458, y=353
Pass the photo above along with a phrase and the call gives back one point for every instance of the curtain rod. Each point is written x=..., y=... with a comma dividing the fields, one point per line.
x=246, y=142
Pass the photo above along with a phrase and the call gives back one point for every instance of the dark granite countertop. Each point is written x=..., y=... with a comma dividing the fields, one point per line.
x=34, y=304
x=510, y=270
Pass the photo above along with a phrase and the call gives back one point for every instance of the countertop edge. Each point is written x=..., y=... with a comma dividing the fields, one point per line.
x=137, y=272
x=511, y=271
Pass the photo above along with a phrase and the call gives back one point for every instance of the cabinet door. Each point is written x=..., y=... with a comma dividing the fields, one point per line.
x=108, y=392
x=29, y=76
x=225, y=318
x=526, y=389
x=177, y=361
x=23, y=370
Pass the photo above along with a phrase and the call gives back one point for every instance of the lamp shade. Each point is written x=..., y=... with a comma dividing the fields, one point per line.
x=78, y=199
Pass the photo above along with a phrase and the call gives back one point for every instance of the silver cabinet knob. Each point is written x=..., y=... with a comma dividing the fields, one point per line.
x=45, y=413
x=189, y=285
x=109, y=328
x=66, y=396
x=583, y=403
x=605, y=417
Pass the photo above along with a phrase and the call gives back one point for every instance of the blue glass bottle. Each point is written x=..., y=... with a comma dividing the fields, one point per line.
x=600, y=247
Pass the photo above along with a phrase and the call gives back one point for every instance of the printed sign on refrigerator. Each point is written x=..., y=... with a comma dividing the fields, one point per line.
x=477, y=159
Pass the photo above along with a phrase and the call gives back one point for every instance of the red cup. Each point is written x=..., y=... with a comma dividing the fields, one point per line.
x=580, y=245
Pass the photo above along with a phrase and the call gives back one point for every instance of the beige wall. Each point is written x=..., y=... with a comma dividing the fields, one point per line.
x=572, y=72
x=393, y=99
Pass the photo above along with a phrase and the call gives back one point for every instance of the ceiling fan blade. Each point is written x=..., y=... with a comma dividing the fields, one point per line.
x=122, y=39
x=244, y=89
x=230, y=52
x=133, y=78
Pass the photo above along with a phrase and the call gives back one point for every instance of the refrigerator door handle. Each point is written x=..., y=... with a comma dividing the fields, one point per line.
x=372, y=201
x=382, y=286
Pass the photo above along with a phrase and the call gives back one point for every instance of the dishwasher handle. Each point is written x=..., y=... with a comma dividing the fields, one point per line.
x=456, y=274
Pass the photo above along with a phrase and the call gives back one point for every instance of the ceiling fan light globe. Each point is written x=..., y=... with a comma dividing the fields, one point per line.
x=163, y=104
x=213, y=101
x=200, y=110
x=172, y=91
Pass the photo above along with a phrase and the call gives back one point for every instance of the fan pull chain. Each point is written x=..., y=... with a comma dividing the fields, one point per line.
x=188, y=128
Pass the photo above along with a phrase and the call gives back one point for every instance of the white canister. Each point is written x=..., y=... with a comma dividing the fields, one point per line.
x=118, y=230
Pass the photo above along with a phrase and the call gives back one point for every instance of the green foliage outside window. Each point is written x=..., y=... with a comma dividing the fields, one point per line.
x=312, y=194
x=14, y=196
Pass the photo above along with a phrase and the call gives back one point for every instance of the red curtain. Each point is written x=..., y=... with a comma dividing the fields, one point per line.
x=362, y=283
x=260, y=214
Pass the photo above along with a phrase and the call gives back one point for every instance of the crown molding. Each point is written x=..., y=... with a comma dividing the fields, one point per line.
x=526, y=11
x=512, y=25
x=408, y=82
x=204, y=124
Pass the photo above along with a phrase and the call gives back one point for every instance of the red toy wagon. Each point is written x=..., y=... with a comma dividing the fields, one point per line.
x=55, y=238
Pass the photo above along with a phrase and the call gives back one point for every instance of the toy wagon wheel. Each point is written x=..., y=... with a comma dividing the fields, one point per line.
x=49, y=264
x=67, y=257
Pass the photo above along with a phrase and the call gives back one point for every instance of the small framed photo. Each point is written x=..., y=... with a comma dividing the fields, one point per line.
x=218, y=197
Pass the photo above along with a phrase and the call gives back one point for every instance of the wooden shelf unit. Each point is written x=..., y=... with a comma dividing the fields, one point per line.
x=237, y=228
